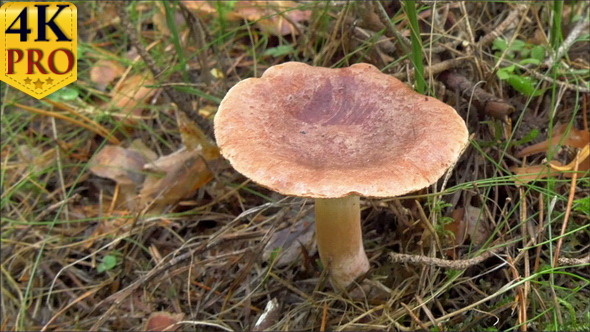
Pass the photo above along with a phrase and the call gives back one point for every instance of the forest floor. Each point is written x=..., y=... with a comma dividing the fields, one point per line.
x=119, y=214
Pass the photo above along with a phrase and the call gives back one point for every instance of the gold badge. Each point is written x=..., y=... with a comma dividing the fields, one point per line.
x=38, y=46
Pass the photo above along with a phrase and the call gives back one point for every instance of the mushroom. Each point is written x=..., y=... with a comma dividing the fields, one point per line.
x=334, y=135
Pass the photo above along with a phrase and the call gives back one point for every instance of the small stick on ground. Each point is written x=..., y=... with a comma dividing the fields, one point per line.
x=573, y=261
x=483, y=101
x=458, y=264
x=436, y=68
x=568, y=211
x=510, y=19
x=390, y=30
x=581, y=26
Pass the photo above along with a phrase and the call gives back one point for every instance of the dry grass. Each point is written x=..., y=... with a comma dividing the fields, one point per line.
x=73, y=258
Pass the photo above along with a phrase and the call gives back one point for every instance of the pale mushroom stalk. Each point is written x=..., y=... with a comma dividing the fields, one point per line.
x=339, y=239
x=335, y=135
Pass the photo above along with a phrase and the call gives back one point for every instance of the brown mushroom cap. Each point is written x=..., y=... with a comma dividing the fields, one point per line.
x=326, y=133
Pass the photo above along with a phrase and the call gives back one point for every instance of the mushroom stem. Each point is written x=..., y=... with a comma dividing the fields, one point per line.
x=339, y=239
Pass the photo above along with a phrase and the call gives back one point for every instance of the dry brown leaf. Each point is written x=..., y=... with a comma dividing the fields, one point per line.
x=273, y=17
x=104, y=72
x=457, y=227
x=138, y=146
x=172, y=178
x=193, y=137
x=574, y=138
x=124, y=166
x=162, y=321
x=201, y=8
x=477, y=226
x=582, y=159
x=35, y=159
x=527, y=174
x=469, y=222
x=132, y=93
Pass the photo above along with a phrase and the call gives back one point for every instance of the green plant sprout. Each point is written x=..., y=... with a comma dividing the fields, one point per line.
x=523, y=54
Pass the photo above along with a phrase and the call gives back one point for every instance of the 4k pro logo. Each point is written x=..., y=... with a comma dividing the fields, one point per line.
x=38, y=46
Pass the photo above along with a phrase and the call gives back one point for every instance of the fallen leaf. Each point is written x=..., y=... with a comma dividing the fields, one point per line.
x=274, y=17
x=285, y=246
x=477, y=226
x=193, y=137
x=532, y=173
x=457, y=227
x=104, y=72
x=278, y=18
x=124, y=166
x=172, y=178
x=469, y=223
x=574, y=138
x=582, y=159
x=132, y=93
x=35, y=159
x=162, y=321
x=201, y=8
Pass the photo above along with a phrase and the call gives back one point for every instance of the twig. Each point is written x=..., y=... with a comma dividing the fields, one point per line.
x=460, y=264
x=414, y=317
x=324, y=317
x=512, y=16
x=581, y=26
x=562, y=84
x=390, y=29
x=199, y=34
x=444, y=263
x=574, y=261
x=483, y=101
x=436, y=68
x=568, y=210
x=78, y=114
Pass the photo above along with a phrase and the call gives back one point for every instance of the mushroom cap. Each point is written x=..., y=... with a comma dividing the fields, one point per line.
x=327, y=133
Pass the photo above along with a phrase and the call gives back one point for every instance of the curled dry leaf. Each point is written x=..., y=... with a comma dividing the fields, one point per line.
x=104, y=72
x=582, y=159
x=172, y=178
x=574, y=138
x=162, y=321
